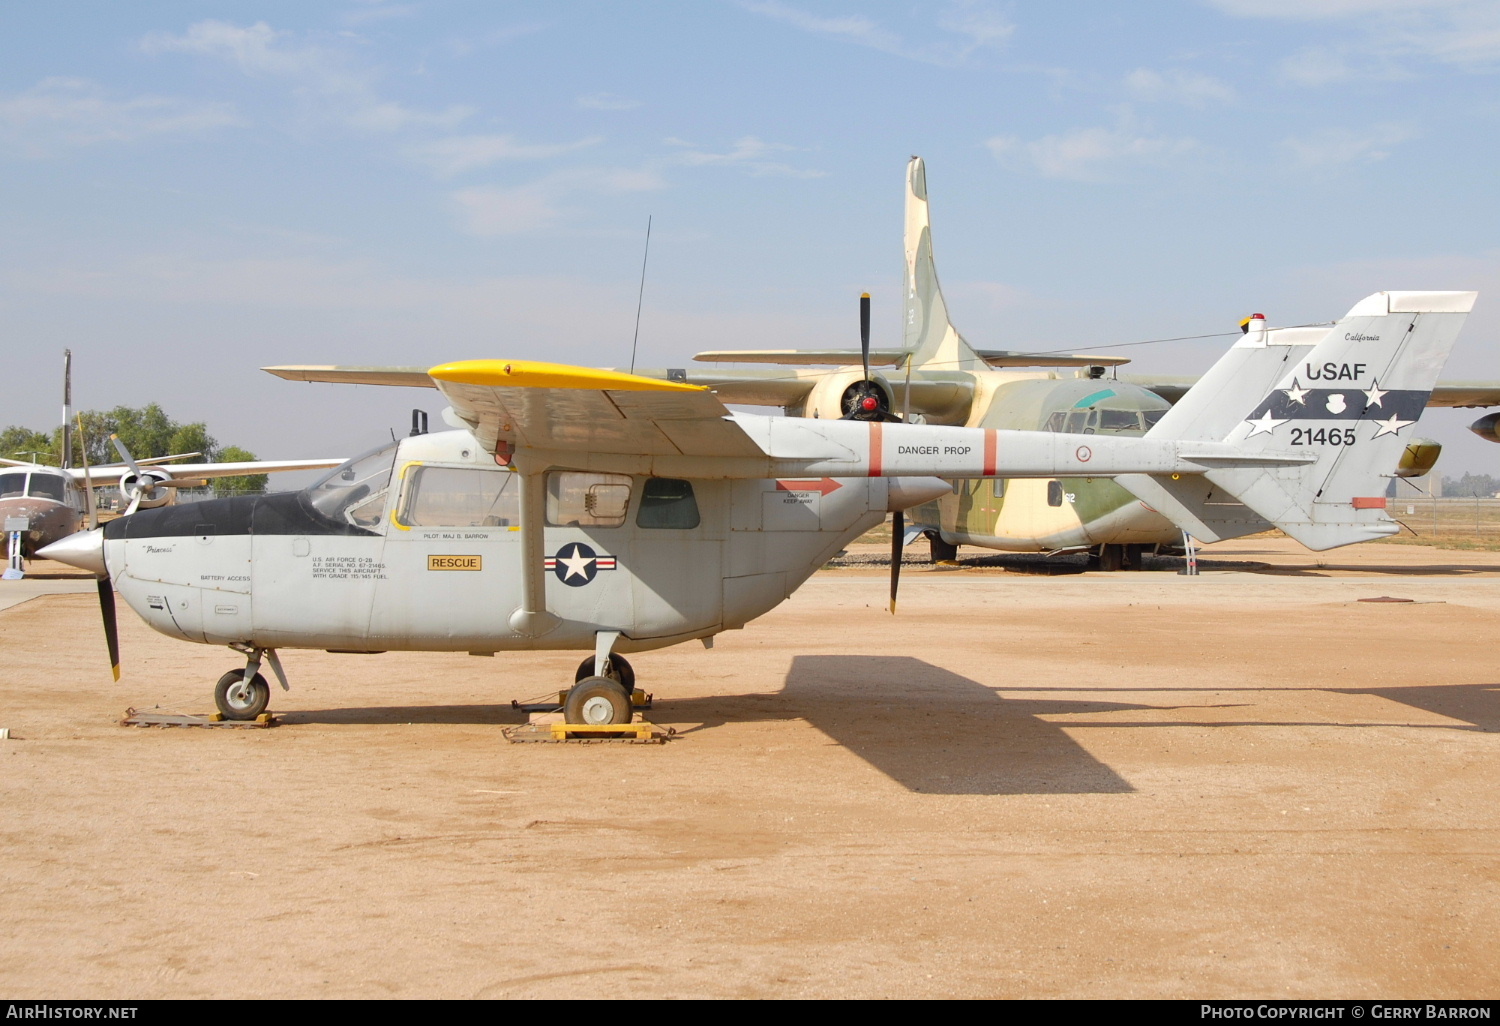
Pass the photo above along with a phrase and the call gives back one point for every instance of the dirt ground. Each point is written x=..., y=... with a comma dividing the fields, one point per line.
x=1245, y=784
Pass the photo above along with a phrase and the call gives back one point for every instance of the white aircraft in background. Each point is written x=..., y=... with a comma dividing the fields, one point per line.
x=52, y=501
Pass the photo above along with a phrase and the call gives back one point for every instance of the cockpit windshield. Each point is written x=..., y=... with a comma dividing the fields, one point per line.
x=355, y=492
x=46, y=486
x=12, y=485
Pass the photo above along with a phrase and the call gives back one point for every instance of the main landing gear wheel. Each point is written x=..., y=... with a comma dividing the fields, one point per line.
x=597, y=701
x=619, y=671
x=942, y=552
x=1111, y=557
x=238, y=700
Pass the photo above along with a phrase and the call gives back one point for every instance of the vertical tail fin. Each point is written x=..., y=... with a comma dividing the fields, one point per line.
x=928, y=334
x=1349, y=401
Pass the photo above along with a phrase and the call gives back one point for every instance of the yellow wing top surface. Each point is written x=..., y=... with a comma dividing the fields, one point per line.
x=588, y=410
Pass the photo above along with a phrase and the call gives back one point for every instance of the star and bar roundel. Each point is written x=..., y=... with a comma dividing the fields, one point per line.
x=576, y=564
x=1390, y=409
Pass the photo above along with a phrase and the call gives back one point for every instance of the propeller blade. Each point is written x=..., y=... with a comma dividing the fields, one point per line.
x=125, y=455
x=864, y=332
x=898, y=533
x=111, y=635
x=140, y=488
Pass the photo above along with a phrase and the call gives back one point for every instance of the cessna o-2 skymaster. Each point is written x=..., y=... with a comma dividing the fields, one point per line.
x=598, y=511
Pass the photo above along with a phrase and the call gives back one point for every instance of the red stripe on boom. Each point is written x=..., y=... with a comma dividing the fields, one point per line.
x=876, y=455
x=1369, y=502
x=991, y=445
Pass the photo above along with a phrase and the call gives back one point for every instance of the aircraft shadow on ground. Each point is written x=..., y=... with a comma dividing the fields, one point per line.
x=1476, y=704
x=925, y=727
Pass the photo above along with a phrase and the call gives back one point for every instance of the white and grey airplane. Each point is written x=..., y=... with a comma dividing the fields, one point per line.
x=602, y=512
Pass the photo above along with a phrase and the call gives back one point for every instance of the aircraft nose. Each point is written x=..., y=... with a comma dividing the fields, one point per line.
x=84, y=550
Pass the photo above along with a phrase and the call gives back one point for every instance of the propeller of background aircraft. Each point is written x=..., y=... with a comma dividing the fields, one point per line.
x=865, y=400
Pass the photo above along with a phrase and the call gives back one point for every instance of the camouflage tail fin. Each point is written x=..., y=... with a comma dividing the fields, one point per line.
x=1348, y=402
x=927, y=332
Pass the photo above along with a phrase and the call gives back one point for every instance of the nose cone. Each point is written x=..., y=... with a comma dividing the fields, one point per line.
x=906, y=492
x=84, y=550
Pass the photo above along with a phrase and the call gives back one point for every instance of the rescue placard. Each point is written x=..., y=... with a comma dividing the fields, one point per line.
x=455, y=562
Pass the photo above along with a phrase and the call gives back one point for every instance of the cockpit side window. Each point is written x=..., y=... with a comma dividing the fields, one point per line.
x=45, y=486
x=1077, y=422
x=577, y=499
x=355, y=492
x=1056, y=421
x=12, y=486
x=471, y=497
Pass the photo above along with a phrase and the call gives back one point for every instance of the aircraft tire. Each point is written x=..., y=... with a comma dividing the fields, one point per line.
x=1135, y=557
x=597, y=701
x=619, y=671
x=1111, y=557
x=248, y=707
x=942, y=552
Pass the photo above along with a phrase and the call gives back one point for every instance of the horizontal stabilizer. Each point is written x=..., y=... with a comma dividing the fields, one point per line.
x=1195, y=505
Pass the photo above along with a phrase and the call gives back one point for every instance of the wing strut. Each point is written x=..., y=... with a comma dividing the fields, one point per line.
x=532, y=619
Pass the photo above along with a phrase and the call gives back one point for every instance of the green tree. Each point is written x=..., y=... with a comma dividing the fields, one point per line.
x=250, y=485
x=1472, y=484
x=195, y=438
x=21, y=443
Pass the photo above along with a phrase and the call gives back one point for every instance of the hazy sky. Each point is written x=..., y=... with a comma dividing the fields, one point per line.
x=193, y=190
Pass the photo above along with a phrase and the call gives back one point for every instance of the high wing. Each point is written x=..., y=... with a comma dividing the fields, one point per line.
x=553, y=407
x=897, y=358
x=204, y=471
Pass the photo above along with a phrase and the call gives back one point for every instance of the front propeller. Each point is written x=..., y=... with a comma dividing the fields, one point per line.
x=111, y=630
x=106, y=586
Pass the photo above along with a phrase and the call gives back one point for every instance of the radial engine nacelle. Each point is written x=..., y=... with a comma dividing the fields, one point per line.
x=149, y=486
x=838, y=394
x=1487, y=427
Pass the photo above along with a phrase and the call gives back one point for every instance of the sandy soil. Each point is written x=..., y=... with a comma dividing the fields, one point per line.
x=1137, y=784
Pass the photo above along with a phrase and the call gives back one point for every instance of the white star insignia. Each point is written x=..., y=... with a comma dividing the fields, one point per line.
x=1374, y=394
x=1265, y=425
x=578, y=565
x=1297, y=393
x=1392, y=426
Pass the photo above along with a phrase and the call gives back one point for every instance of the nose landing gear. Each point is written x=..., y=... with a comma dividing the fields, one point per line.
x=244, y=694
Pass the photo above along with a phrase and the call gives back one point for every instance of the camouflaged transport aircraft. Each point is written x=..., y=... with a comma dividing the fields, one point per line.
x=937, y=376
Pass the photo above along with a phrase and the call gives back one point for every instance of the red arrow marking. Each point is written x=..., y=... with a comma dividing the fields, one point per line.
x=824, y=486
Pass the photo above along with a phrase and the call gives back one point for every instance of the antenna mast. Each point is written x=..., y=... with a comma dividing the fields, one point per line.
x=66, y=460
x=641, y=295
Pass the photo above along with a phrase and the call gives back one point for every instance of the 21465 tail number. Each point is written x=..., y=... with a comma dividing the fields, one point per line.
x=1323, y=436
